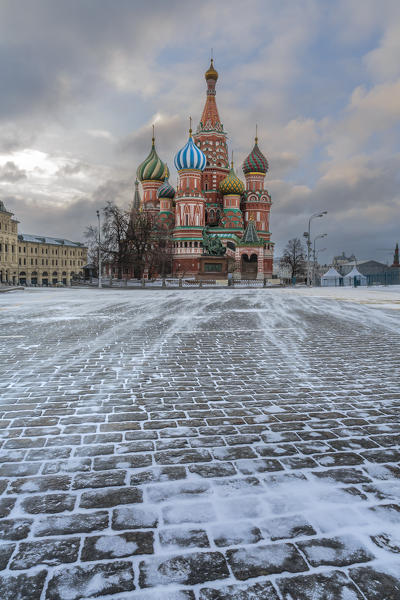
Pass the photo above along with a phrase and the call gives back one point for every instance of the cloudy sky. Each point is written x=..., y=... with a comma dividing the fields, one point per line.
x=83, y=80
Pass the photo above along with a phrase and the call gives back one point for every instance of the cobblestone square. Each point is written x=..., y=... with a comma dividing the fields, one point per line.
x=200, y=445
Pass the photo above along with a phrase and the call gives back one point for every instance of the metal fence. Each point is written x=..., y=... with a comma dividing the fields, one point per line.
x=173, y=282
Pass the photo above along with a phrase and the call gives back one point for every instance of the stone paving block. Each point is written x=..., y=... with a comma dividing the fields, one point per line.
x=187, y=569
x=98, y=480
x=125, y=461
x=15, y=529
x=235, y=533
x=6, y=551
x=72, y=465
x=23, y=586
x=291, y=526
x=48, y=503
x=6, y=506
x=40, y=484
x=343, y=475
x=48, y=552
x=180, y=490
x=128, y=517
x=162, y=595
x=378, y=583
x=176, y=457
x=338, y=551
x=188, y=512
x=117, y=546
x=69, y=524
x=258, y=465
x=19, y=469
x=158, y=475
x=183, y=537
x=331, y=586
x=265, y=560
x=234, y=453
x=91, y=581
x=111, y=497
x=213, y=470
x=257, y=591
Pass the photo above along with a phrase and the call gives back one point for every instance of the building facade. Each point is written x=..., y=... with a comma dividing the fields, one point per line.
x=210, y=194
x=36, y=260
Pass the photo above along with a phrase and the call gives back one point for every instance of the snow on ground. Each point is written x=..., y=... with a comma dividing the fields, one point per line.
x=200, y=444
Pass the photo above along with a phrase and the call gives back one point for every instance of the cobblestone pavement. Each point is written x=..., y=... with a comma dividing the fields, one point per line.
x=209, y=445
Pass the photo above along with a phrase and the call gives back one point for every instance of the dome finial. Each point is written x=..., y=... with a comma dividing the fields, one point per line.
x=256, y=138
x=232, y=160
x=153, y=139
x=211, y=73
x=190, y=126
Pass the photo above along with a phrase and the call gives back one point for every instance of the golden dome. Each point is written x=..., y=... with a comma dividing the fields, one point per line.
x=211, y=73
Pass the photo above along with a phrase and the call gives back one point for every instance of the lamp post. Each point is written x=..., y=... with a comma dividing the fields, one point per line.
x=99, y=266
x=318, y=237
x=307, y=234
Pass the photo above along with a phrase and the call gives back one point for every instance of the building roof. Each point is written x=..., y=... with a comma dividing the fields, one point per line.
x=250, y=235
x=27, y=237
x=152, y=168
x=331, y=274
x=354, y=273
x=256, y=161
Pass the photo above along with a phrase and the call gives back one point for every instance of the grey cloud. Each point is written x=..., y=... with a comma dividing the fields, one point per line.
x=11, y=173
x=72, y=169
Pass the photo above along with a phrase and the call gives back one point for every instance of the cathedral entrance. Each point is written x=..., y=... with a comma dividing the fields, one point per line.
x=249, y=266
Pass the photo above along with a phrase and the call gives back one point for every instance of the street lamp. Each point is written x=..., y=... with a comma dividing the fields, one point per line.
x=318, y=237
x=307, y=234
x=99, y=266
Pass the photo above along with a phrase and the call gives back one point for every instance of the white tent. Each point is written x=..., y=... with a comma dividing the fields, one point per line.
x=331, y=278
x=354, y=278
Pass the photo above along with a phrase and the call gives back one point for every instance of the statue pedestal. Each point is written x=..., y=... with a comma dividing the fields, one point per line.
x=213, y=267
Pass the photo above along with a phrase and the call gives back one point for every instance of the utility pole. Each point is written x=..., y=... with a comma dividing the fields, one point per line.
x=307, y=234
x=318, y=237
x=99, y=266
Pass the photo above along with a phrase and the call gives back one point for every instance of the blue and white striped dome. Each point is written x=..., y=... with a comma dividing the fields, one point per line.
x=190, y=157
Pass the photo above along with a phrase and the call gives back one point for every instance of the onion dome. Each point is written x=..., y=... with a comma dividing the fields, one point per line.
x=231, y=184
x=211, y=73
x=166, y=190
x=256, y=161
x=152, y=167
x=190, y=156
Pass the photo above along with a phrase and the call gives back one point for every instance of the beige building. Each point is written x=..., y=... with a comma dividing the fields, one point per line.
x=8, y=246
x=37, y=260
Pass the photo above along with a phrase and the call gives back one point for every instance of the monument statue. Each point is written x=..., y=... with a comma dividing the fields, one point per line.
x=212, y=245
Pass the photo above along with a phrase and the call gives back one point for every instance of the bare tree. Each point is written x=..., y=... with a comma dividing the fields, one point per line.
x=91, y=235
x=294, y=258
x=114, y=237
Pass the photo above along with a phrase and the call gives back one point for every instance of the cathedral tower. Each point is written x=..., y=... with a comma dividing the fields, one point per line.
x=190, y=203
x=257, y=203
x=151, y=173
x=211, y=139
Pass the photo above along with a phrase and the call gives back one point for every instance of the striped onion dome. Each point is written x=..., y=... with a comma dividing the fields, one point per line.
x=256, y=161
x=190, y=157
x=165, y=190
x=152, y=167
x=231, y=184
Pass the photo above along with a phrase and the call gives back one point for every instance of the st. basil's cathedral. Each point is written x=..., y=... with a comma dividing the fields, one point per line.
x=209, y=193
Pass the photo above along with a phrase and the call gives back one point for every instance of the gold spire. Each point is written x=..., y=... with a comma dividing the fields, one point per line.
x=190, y=126
x=153, y=139
x=256, y=138
x=211, y=73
